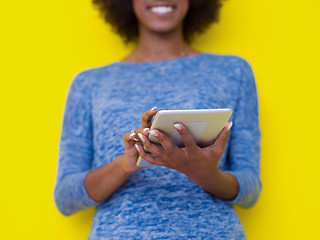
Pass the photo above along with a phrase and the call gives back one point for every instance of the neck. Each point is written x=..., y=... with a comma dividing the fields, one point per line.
x=155, y=47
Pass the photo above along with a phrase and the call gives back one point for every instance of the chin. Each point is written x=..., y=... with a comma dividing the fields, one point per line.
x=162, y=29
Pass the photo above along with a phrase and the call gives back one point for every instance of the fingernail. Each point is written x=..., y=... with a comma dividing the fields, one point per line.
x=141, y=137
x=132, y=134
x=137, y=147
x=153, y=133
x=146, y=129
x=229, y=126
x=177, y=126
x=137, y=140
x=132, y=130
x=153, y=108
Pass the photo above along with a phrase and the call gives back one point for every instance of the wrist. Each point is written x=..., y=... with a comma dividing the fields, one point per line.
x=120, y=164
x=202, y=178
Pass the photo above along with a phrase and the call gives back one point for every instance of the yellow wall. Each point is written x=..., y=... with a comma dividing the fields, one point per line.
x=43, y=44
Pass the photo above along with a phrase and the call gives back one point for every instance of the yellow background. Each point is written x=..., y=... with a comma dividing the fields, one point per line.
x=44, y=44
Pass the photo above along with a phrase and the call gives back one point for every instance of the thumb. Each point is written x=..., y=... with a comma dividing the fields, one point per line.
x=147, y=117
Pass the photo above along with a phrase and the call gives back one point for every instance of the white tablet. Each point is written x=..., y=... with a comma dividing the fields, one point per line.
x=203, y=124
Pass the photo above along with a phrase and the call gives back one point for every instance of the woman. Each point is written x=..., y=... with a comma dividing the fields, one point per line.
x=191, y=191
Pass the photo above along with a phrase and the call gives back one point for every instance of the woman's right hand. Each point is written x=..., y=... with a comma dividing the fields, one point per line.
x=128, y=160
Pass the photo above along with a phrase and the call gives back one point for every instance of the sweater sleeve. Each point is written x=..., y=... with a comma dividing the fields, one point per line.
x=75, y=150
x=244, y=141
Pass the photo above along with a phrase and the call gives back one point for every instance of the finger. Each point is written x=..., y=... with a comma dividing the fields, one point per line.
x=148, y=157
x=164, y=141
x=189, y=143
x=223, y=137
x=154, y=149
x=134, y=135
x=143, y=131
x=128, y=139
x=147, y=117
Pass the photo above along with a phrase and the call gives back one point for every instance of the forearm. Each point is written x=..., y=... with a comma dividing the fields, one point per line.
x=101, y=183
x=218, y=183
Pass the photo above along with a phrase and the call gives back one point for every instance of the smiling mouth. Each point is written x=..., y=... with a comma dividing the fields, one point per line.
x=161, y=9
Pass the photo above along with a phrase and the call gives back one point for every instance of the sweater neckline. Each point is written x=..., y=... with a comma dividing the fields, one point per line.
x=179, y=59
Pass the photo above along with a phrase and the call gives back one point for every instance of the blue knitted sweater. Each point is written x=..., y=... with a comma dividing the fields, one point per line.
x=158, y=203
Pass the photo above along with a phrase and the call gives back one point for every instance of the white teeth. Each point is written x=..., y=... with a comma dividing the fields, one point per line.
x=161, y=9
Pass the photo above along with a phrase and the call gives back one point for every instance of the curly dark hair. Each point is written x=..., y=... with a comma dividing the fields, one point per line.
x=120, y=14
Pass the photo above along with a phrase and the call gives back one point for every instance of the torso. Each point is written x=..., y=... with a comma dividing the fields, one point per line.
x=160, y=198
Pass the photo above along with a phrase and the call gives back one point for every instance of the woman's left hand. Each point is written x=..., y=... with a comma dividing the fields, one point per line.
x=195, y=162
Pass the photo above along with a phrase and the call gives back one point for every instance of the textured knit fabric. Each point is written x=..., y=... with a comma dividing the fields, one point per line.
x=158, y=203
